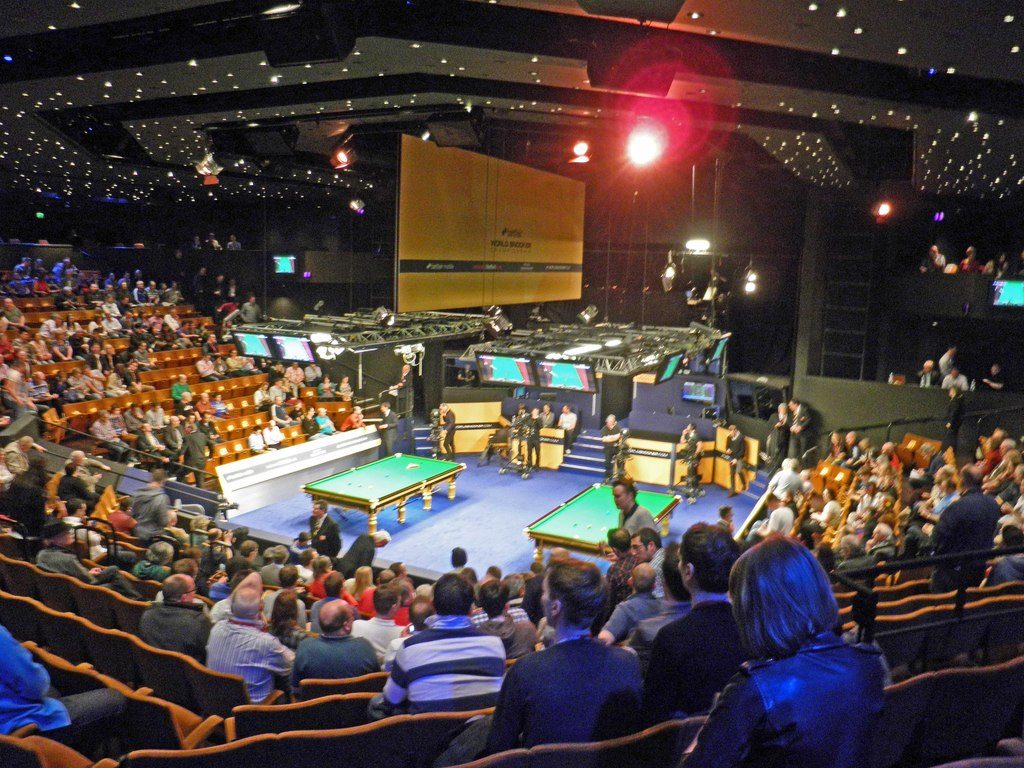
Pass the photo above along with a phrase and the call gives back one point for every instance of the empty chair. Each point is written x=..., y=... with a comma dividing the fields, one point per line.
x=18, y=579
x=62, y=634
x=513, y=758
x=112, y=652
x=54, y=590
x=166, y=673
x=39, y=752
x=256, y=751
x=128, y=612
x=905, y=704
x=152, y=723
x=952, y=729
x=94, y=603
x=906, y=638
x=314, y=688
x=328, y=712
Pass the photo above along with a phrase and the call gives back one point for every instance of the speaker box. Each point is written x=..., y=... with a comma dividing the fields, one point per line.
x=664, y=11
x=308, y=36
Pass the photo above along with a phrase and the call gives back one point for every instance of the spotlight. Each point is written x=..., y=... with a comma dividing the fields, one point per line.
x=939, y=216
x=357, y=206
x=882, y=210
x=384, y=317
x=498, y=325
x=341, y=158
x=668, y=275
x=8, y=58
x=698, y=245
x=750, y=279
x=588, y=315
x=646, y=143
x=425, y=135
x=580, y=152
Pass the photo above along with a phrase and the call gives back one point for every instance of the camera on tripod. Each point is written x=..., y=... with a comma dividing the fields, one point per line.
x=436, y=431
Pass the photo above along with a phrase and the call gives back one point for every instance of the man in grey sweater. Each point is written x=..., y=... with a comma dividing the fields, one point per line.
x=150, y=506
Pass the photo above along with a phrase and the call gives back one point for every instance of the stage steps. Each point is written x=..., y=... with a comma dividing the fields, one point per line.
x=587, y=455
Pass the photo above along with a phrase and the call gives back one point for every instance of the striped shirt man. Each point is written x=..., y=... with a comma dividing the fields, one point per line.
x=450, y=667
x=241, y=647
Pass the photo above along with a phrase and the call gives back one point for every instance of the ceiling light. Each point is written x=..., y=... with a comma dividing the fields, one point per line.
x=582, y=349
x=588, y=315
x=77, y=7
x=646, y=143
x=695, y=15
x=835, y=51
x=901, y=51
x=972, y=116
x=8, y=58
x=425, y=135
x=841, y=13
x=698, y=245
x=341, y=158
x=668, y=274
x=858, y=31
x=1008, y=18
x=384, y=317
x=278, y=9
x=812, y=7
x=193, y=63
x=357, y=206
x=882, y=210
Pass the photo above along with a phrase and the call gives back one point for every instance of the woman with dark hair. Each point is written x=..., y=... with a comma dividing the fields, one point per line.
x=25, y=500
x=808, y=699
x=284, y=620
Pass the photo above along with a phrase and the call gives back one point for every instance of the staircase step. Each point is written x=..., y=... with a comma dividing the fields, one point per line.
x=576, y=456
x=599, y=471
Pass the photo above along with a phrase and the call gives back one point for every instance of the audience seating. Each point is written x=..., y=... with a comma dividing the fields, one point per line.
x=662, y=744
x=404, y=741
x=313, y=688
x=39, y=752
x=336, y=711
x=905, y=704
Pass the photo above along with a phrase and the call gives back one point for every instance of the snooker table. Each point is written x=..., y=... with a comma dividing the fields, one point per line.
x=582, y=523
x=391, y=480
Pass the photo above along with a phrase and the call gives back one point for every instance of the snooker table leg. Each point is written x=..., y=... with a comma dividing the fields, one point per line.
x=664, y=524
x=428, y=498
x=401, y=512
x=372, y=529
x=451, y=489
x=538, y=553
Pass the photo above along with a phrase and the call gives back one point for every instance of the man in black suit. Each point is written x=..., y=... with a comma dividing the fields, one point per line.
x=735, y=454
x=799, y=429
x=968, y=524
x=323, y=531
x=388, y=429
x=448, y=421
x=533, y=426
x=174, y=440
x=72, y=487
x=195, y=449
x=954, y=417
x=928, y=376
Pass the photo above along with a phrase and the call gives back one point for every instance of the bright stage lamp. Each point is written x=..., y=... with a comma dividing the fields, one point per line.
x=340, y=158
x=646, y=143
x=883, y=209
x=698, y=245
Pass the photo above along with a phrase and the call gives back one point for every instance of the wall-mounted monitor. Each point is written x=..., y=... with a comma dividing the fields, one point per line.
x=294, y=348
x=1008, y=293
x=283, y=264
x=702, y=392
x=574, y=376
x=669, y=367
x=254, y=344
x=506, y=369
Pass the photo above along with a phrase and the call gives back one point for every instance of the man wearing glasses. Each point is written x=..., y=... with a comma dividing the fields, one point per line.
x=177, y=623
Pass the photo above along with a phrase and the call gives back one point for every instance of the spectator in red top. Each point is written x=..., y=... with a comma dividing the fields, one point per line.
x=322, y=568
x=971, y=262
x=353, y=421
x=366, y=599
x=992, y=453
x=121, y=518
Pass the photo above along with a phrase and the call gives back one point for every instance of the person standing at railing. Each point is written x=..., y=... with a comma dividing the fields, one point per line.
x=967, y=525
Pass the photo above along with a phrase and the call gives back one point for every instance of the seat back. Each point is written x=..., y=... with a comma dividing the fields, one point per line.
x=662, y=744
x=112, y=652
x=513, y=758
x=18, y=579
x=904, y=707
x=906, y=638
x=314, y=688
x=66, y=677
x=128, y=613
x=54, y=590
x=248, y=753
x=16, y=753
x=94, y=604
x=18, y=614
x=167, y=673
x=338, y=711
x=215, y=693
x=952, y=728
x=62, y=634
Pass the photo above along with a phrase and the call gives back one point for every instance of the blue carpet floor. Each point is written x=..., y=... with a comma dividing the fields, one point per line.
x=486, y=518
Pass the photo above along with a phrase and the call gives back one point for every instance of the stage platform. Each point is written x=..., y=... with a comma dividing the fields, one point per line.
x=486, y=518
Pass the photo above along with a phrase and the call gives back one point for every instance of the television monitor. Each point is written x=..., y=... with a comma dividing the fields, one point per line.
x=1008, y=293
x=284, y=265
x=669, y=367
x=699, y=392
x=294, y=348
x=254, y=344
x=574, y=376
x=506, y=369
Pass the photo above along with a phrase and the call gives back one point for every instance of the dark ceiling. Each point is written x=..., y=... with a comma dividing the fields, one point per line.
x=118, y=99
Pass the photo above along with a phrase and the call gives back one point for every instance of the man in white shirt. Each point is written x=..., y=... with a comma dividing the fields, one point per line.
x=255, y=440
x=780, y=518
x=947, y=361
x=272, y=436
x=567, y=423
x=955, y=379
x=381, y=630
x=787, y=479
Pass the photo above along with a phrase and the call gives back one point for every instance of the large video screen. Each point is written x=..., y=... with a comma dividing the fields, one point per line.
x=1008, y=293
x=253, y=344
x=670, y=367
x=699, y=392
x=575, y=376
x=294, y=348
x=503, y=369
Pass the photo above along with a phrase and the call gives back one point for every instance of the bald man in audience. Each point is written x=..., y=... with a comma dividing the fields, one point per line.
x=178, y=622
x=335, y=654
x=641, y=604
x=241, y=647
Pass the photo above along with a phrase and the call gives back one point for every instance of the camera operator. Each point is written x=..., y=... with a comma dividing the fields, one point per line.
x=690, y=454
x=532, y=427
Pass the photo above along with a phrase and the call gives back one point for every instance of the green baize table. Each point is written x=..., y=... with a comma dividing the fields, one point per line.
x=391, y=480
x=582, y=523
